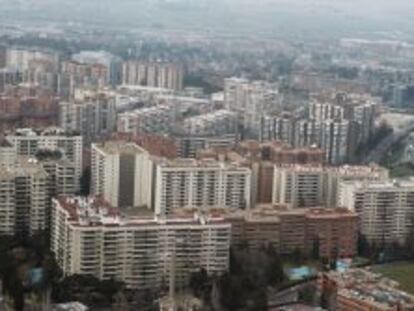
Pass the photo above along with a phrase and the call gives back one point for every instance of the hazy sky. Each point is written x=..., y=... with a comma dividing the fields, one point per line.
x=264, y=14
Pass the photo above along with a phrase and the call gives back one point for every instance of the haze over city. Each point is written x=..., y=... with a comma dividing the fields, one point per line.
x=206, y=155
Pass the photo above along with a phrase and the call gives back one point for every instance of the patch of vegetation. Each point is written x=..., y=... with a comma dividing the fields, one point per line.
x=402, y=170
x=403, y=273
x=393, y=157
x=380, y=134
x=18, y=256
x=200, y=81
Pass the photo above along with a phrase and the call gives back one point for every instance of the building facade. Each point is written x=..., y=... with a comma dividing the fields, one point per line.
x=386, y=209
x=153, y=74
x=93, y=117
x=200, y=184
x=28, y=142
x=122, y=173
x=90, y=237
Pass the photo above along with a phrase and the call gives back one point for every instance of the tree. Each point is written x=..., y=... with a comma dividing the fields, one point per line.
x=85, y=182
x=364, y=249
x=297, y=256
x=315, y=249
x=201, y=285
x=275, y=272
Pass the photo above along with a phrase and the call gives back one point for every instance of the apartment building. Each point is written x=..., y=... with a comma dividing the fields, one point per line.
x=61, y=172
x=386, y=209
x=189, y=146
x=261, y=159
x=75, y=74
x=316, y=185
x=277, y=127
x=321, y=111
x=28, y=142
x=338, y=125
x=122, y=174
x=148, y=120
x=328, y=233
x=93, y=117
x=21, y=58
x=156, y=145
x=7, y=154
x=25, y=107
x=300, y=186
x=90, y=237
x=251, y=100
x=363, y=290
x=331, y=233
x=337, y=140
x=215, y=123
x=24, y=193
x=153, y=74
x=200, y=184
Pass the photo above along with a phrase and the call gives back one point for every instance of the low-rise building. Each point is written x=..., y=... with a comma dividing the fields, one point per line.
x=363, y=290
x=318, y=232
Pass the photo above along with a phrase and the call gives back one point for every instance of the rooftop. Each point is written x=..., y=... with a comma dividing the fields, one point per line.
x=96, y=212
x=119, y=147
x=273, y=213
x=202, y=164
x=51, y=131
x=364, y=285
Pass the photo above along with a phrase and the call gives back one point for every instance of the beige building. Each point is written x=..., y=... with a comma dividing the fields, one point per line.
x=147, y=120
x=122, y=174
x=153, y=74
x=386, y=209
x=28, y=142
x=317, y=185
x=93, y=117
x=24, y=193
x=90, y=237
x=200, y=184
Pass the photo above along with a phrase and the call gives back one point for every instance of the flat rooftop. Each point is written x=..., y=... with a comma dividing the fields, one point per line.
x=119, y=147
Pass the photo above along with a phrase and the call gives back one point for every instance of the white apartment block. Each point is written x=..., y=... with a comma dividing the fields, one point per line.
x=386, y=209
x=122, y=173
x=307, y=133
x=218, y=122
x=188, y=183
x=93, y=117
x=156, y=119
x=61, y=176
x=322, y=111
x=251, y=100
x=28, y=142
x=91, y=238
x=277, y=127
x=8, y=154
x=300, y=186
x=334, y=136
x=338, y=176
x=21, y=58
x=362, y=111
x=310, y=186
x=336, y=140
x=189, y=145
x=24, y=199
x=153, y=74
